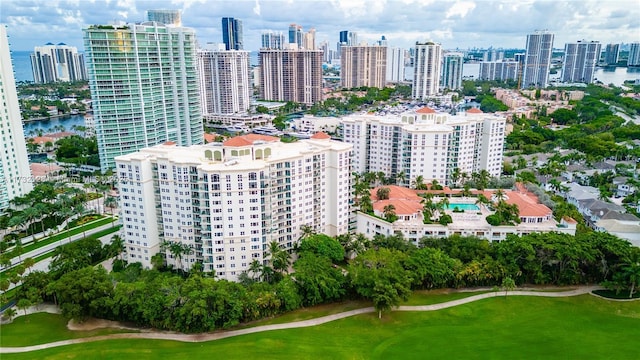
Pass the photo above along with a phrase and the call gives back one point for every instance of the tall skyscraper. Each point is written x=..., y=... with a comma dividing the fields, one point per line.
x=537, y=59
x=15, y=175
x=426, y=74
x=235, y=198
x=580, y=60
x=51, y=63
x=499, y=70
x=309, y=40
x=167, y=17
x=144, y=87
x=363, y=66
x=232, y=33
x=224, y=81
x=395, y=64
x=634, y=54
x=348, y=38
x=296, y=35
x=291, y=75
x=273, y=40
x=452, y=71
x=611, y=54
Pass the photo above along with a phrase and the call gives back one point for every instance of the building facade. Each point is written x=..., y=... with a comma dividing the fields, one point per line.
x=452, y=71
x=499, y=70
x=426, y=73
x=363, y=66
x=580, y=61
x=228, y=202
x=611, y=54
x=425, y=143
x=291, y=75
x=634, y=54
x=224, y=81
x=144, y=87
x=395, y=64
x=167, y=17
x=232, y=34
x=51, y=63
x=15, y=175
x=537, y=60
x=273, y=40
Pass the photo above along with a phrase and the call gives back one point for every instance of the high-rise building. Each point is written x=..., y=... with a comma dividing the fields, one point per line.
x=499, y=70
x=611, y=54
x=15, y=175
x=309, y=40
x=634, y=54
x=224, y=81
x=452, y=71
x=296, y=35
x=537, y=59
x=144, y=87
x=426, y=143
x=426, y=73
x=291, y=75
x=273, y=40
x=348, y=38
x=395, y=64
x=167, y=17
x=232, y=33
x=363, y=66
x=580, y=61
x=229, y=201
x=51, y=63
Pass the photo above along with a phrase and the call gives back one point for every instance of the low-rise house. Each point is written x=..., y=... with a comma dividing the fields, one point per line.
x=623, y=188
x=627, y=230
x=576, y=192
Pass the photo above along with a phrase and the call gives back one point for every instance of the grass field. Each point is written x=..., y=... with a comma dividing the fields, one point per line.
x=582, y=327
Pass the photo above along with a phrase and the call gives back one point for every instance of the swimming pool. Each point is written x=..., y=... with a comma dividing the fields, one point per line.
x=465, y=207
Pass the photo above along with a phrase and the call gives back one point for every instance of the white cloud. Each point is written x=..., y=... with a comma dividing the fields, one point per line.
x=256, y=8
x=460, y=8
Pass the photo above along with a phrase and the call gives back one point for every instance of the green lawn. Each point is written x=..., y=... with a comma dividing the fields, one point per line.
x=42, y=328
x=582, y=327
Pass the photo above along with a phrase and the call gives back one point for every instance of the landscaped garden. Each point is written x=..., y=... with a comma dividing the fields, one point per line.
x=582, y=327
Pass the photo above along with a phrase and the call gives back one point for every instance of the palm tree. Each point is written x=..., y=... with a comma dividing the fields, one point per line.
x=466, y=190
x=280, y=259
x=631, y=271
x=256, y=269
x=444, y=202
x=28, y=263
x=306, y=231
x=30, y=214
x=455, y=176
x=500, y=195
x=111, y=203
x=389, y=212
x=10, y=313
x=178, y=250
x=401, y=177
x=482, y=200
x=383, y=193
x=116, y=247
x=419, y=184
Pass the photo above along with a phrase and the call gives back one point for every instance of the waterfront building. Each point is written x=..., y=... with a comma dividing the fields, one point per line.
x=273, y=40
x=537, y=60
x=167, y=17
x=291, y=75
x=224, y=81
x=232, y=33
x=580, y=61
x=499, y=70
x=611, y=54
x=634, y=54
x=363, y=65
x=395, y=64
x=15, y=175
x=227, y=202
x=144, y=87
x=426, y=71
x=61, y=62
x=426, y=143
x=452, y=71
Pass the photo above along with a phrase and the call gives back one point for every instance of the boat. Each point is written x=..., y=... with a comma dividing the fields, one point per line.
x=237, y=128
x=267, y=130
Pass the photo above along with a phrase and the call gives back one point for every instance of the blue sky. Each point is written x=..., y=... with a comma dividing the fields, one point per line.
x=455, y=23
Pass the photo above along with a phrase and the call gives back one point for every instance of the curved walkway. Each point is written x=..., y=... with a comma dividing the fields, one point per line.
x=156, y=335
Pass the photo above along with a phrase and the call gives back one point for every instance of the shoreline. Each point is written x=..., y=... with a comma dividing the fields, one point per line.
x=53, y=117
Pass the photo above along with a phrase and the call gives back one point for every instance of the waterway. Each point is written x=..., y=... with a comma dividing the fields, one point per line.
x=48, y=126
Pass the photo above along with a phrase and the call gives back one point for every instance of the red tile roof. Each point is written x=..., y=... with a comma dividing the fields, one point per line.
x=402, y=207
x=169, y=143
x=320, y=136
x=396, y=193
x=475, y=111
x=209, y=138
x=249, y=139
x=425, y=110
x=527, y=204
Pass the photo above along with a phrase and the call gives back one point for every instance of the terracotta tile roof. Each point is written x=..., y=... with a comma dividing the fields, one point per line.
x=320, y=136
x=425, y=110
x=527, y=204
x=402, y=207
x=169, y=143
x=60, y=135
x=209, y=138
x=475, y=111
x=569, y=220
x=43, y=139
x=397, y=193
x=249, y=139
x=41, y=170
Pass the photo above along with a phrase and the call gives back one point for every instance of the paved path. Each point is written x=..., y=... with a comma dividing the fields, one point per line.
x=156, y=335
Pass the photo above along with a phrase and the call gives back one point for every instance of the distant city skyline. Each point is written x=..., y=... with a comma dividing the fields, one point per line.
x=454, y=24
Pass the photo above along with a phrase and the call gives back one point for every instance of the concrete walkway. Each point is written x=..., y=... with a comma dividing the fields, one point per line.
x=194, y=338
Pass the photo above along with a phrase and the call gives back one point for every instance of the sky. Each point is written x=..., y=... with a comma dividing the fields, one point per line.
x=455, y=24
